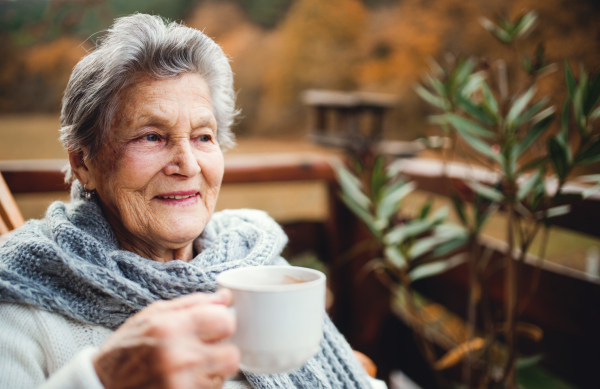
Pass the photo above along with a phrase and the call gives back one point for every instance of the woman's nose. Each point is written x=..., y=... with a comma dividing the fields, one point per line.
x=183, y=160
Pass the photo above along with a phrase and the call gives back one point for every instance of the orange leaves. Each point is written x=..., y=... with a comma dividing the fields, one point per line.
x=458, y=353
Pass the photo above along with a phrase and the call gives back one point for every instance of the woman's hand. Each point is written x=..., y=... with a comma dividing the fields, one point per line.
x=172, y=344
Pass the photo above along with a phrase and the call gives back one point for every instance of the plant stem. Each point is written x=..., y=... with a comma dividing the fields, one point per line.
x=472, y=307
x=535, y=282
x=419, y=331
x=510, y=290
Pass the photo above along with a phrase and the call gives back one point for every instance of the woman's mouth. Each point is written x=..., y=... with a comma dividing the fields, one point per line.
x=179, y=198
x=176, y=197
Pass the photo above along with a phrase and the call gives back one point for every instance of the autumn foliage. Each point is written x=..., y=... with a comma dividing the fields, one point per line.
x=379, y=46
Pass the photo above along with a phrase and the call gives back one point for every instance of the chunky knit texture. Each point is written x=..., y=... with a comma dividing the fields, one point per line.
x=70, y=263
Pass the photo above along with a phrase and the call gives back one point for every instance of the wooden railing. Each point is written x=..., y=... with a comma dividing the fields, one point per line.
x=564, y=305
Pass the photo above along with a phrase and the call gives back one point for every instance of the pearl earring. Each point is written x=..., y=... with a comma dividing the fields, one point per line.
x=87, y=193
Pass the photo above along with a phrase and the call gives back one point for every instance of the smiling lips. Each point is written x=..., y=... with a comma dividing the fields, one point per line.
x=179, y=197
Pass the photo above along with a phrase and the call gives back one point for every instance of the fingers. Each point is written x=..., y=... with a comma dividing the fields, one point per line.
x=212, y=322
x=205, y=315
x=174, y=341
x=220, y=359
x=191, y=379
x=222, y=297
x=208, y=322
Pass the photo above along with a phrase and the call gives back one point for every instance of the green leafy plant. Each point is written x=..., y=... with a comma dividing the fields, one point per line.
x=514, y=136
x=499, y=130
x=406, y=249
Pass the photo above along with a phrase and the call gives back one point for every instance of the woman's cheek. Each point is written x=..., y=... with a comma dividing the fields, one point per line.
x=214, y=168
x=138, y=167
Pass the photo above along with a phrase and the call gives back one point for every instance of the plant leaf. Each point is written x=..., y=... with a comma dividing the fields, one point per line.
x=536, y=377
x=390, y=200
x=566, y=113
x=595, y=114
x=570, y=80
x=415, y=227
x=579, y=102
x=485, y=191
x=529, y=184
x=480, y=146
x=458, y=353
x=518, y=107
x=593, y=93
x=533, y=110
x=460, y=209
x=525, y=24
x=378, y=178
x=559, y=158
x=395, y=256
x=590, y=154
x=591, y=191
x=532, y=135
x=448, y=247
x=489, y=101
x=425, y=209
x=466, y=125
x=437, y=85
x=361, y=213
x=590, y=177
x=434, y=268
x=463, y=70
x=473, y=83
x=538, y=162
x=523, y=363
x=558, y=211
x=424, y=245
x=436, y=101
x=563, y=138
x=351, y=186
x=474, y=110
x=531, y=330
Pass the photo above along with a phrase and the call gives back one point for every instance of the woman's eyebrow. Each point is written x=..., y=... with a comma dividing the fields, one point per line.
x=203, y=121
x=150, y=118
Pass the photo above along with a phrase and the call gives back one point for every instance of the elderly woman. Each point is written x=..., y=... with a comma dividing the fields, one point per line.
x=116, y=288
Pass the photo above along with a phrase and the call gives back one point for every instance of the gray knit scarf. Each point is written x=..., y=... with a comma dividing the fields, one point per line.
x=70, y=263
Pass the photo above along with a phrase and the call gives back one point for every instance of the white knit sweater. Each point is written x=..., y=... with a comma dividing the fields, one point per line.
x=44, y=350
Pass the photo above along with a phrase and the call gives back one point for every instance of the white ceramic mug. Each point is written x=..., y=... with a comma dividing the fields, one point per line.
x=279, y=312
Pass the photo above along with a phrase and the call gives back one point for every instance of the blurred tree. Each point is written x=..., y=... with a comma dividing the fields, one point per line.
x=42, y=42
x=280, y=47
x=314, y=48
x=267, y=13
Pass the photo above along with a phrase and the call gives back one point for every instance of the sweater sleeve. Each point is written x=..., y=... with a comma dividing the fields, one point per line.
x=23, y=361
x=79, y=373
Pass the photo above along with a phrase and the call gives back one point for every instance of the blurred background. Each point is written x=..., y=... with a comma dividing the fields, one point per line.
x=278, y=49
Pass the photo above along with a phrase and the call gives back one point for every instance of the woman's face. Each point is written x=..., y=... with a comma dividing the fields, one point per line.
x=159, y=174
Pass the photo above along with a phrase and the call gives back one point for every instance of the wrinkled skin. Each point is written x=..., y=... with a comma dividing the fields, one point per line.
x=163, y=143
x=172, y=345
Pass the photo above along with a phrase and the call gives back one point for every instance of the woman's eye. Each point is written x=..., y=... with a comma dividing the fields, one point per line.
x=151, y=138
x=204, y=138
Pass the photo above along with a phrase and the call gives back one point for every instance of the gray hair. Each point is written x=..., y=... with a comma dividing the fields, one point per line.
x=135, y=45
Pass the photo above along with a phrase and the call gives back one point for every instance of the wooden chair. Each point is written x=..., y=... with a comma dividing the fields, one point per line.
x=10, y=215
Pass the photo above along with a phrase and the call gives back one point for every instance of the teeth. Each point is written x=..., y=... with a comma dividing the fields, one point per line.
x=177, y=197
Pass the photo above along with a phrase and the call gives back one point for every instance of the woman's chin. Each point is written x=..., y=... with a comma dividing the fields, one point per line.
x=183, y=230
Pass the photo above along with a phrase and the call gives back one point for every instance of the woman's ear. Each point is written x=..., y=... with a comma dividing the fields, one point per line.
x=81, y=170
